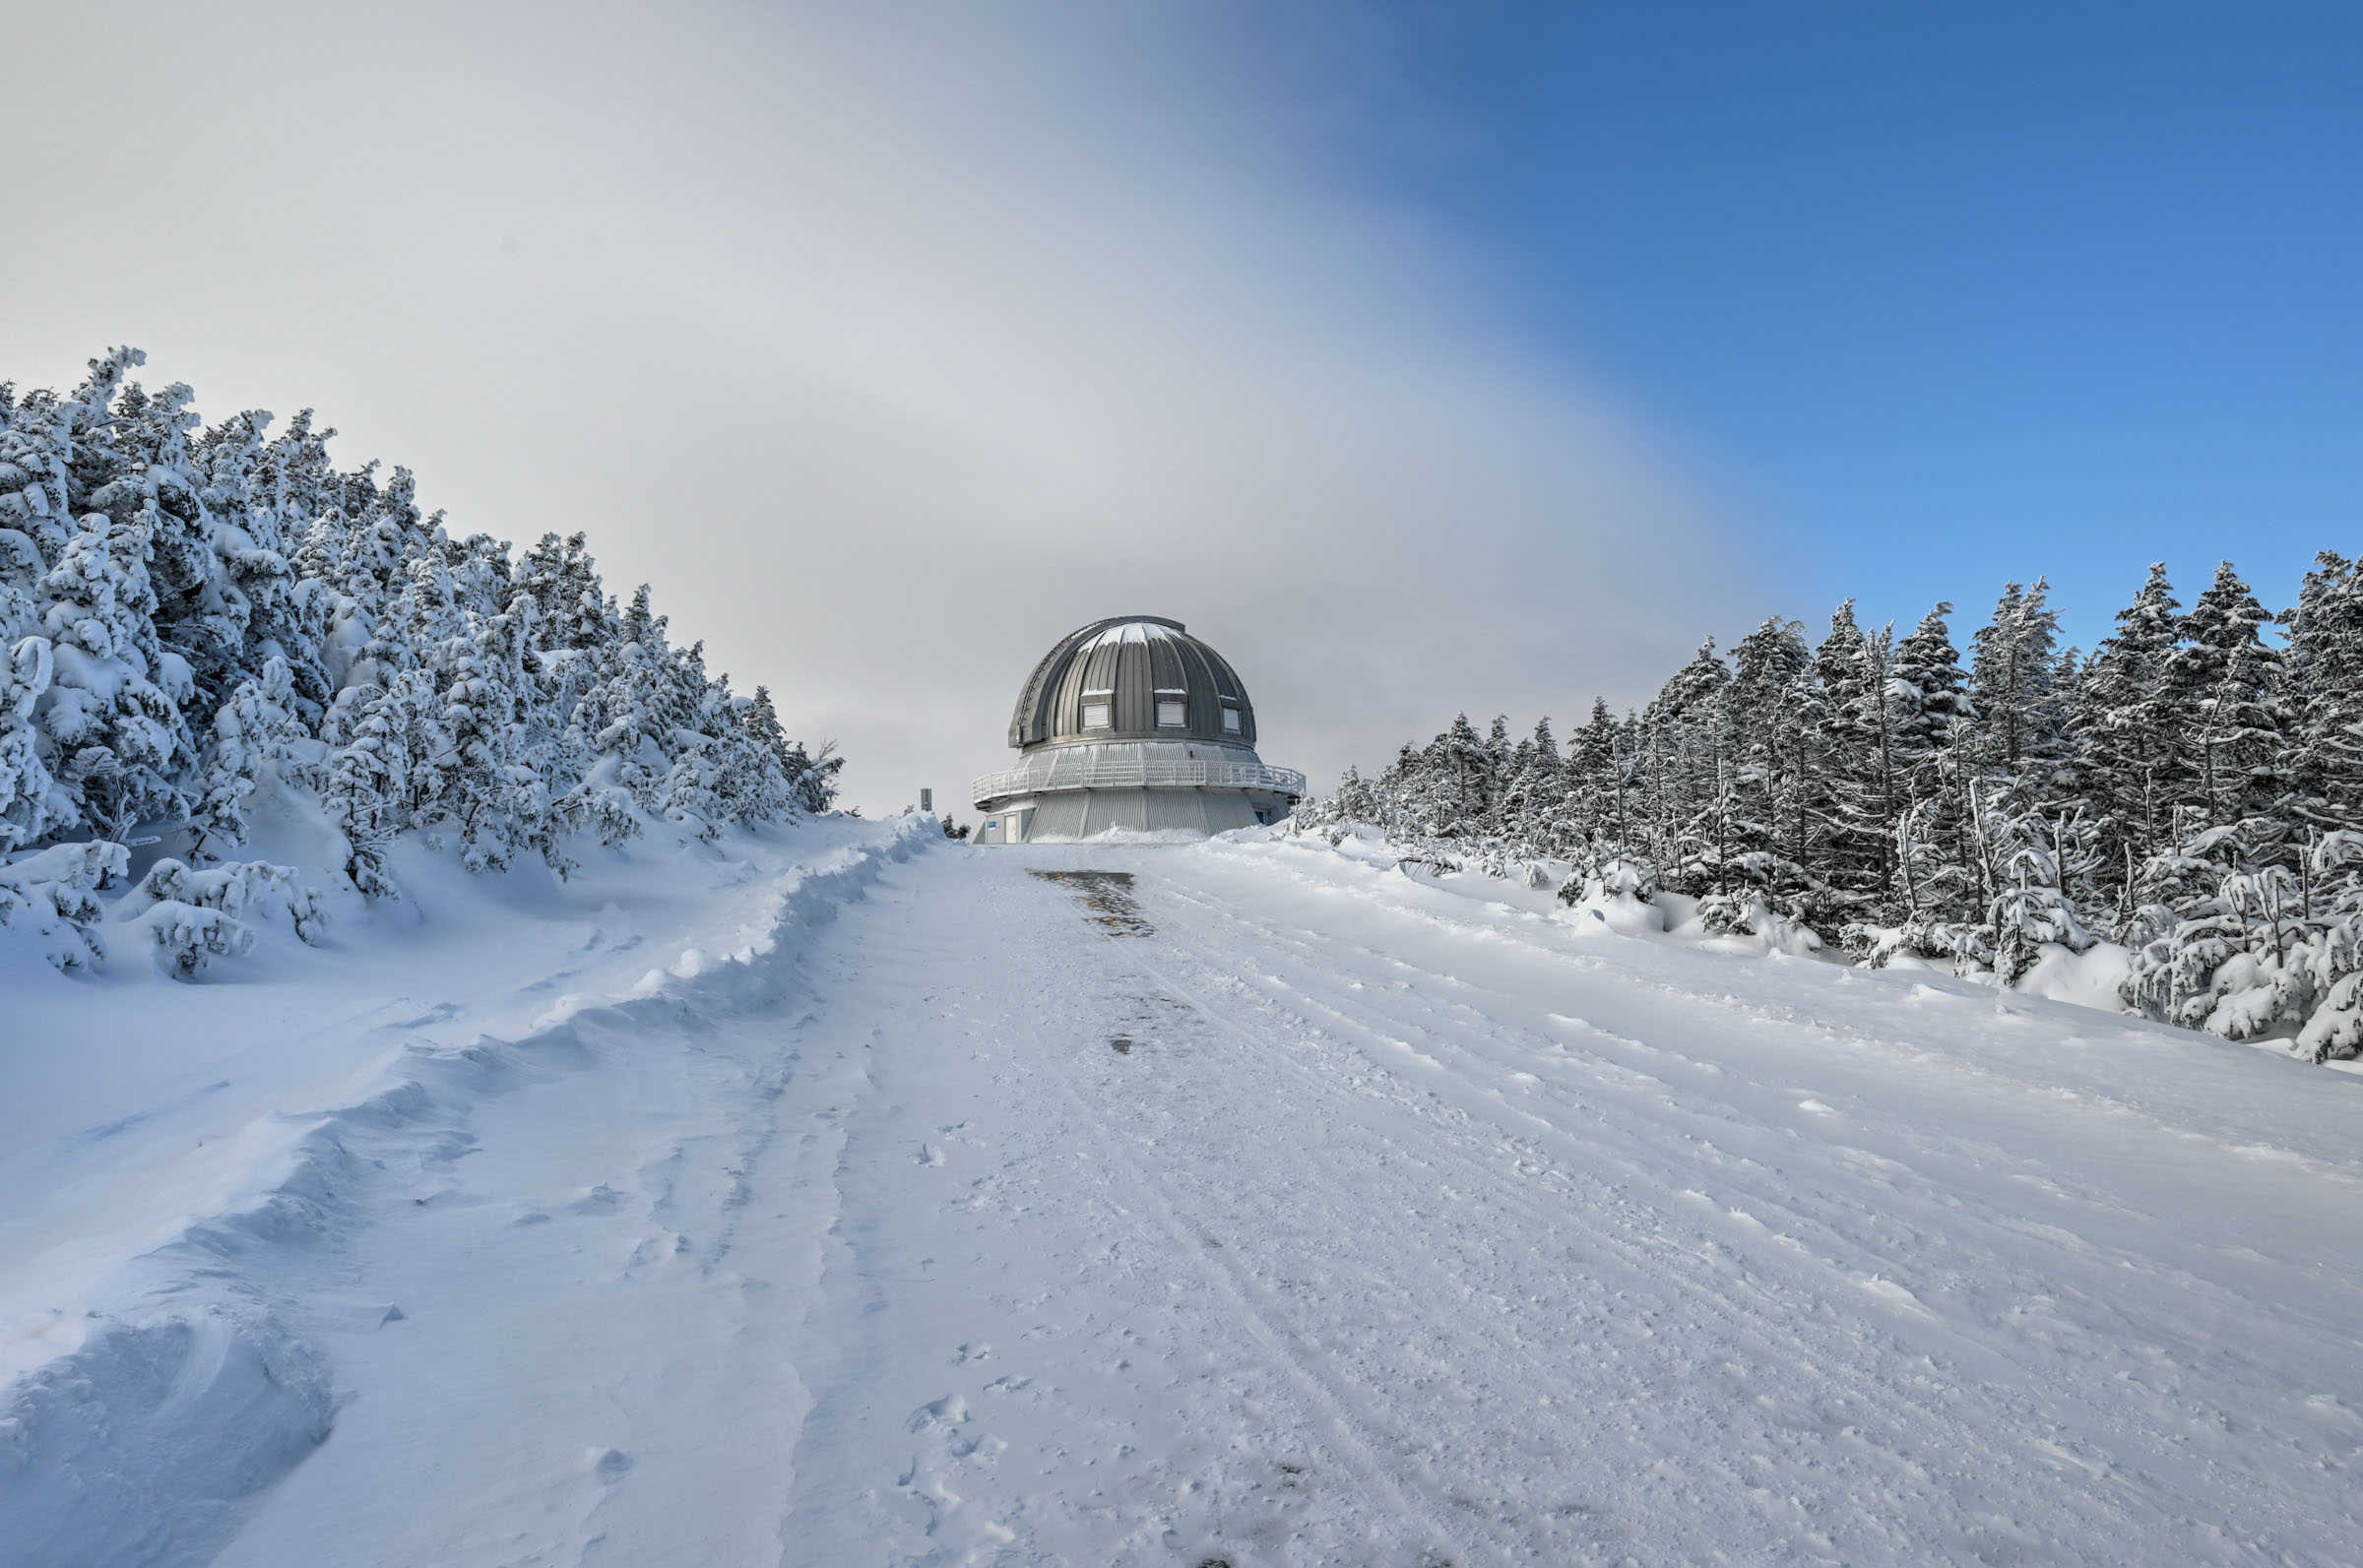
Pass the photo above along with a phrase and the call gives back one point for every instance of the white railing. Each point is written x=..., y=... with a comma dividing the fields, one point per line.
x=1060, y=770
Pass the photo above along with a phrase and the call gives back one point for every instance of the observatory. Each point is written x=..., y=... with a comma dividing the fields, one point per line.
x=1134, y=724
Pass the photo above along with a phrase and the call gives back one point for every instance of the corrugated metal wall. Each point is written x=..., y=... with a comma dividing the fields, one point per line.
x=1080, y=813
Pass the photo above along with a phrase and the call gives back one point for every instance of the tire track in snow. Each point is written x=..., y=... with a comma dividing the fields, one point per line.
x=1302, y=1361
x=1647, y=1241
x=1937, y=1194
x=1472, y=1041
x=1481, y=1183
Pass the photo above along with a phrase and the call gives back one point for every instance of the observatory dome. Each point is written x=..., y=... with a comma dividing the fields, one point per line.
x=1131, y=722
x=1132, y=677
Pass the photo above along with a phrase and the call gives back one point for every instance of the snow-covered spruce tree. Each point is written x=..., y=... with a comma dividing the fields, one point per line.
x=1459, y=799
x=2229, y=681
x=814, y=776
x=2130, y=743
x=2323, y=692
x=2322, y=689
x=189, y=615
x=32, y=803
x=1944, y=880
x=2220, y=939
x=2333, y=899
x=110, y=716
x=766, y=778
x=253, y=737
x=1764, y=782
x=1859, y=799
x=2029, y=909
x=576, y=614
x=1533, y=789
x=368, y=795
x=1689, y=775
x=630, y=711
x=2013, y=686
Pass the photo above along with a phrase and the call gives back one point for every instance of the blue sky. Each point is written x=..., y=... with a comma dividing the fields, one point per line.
x=1419, y=356
x=1932, y=296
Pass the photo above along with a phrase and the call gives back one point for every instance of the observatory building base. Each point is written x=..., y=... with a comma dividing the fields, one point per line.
x=1086, y=813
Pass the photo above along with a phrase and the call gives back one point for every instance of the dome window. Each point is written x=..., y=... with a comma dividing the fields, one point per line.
x=1099, y=709
x=1173, y=710
x=1230, y=716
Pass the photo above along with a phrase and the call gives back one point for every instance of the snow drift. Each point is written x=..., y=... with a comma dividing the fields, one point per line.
x=182, y=1391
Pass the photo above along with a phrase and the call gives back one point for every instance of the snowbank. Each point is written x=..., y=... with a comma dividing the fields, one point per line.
x=1122, y=835
x=159, y=1386
x=2094, y=977
x=2091, y=979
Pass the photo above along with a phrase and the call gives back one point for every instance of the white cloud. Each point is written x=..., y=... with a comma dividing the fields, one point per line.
x=888, y=348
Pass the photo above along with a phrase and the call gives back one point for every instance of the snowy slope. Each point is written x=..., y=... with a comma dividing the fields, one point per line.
x=1276, y=1208
x=185, y=1170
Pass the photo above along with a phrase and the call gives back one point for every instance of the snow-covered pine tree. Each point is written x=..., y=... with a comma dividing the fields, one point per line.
x=2030, y=908
x=252, y=736
x=812, y=775
x=2333, y=898
x=1946, y=880
x=2130, y=751
x=33, y=803
x=1355, y=801
x=2227, y=680
x=491, y=792
x=2324, y=689
x=1689, y=775
x=1764, y=719
x=1501, y=756
x=110, y=714
x=770, y=784
x=630, y=713
x=2014, y=666
x=1458, y=781
x=368, y=795
x=1596, y=785
x=1532, y=792
x=1858, y=795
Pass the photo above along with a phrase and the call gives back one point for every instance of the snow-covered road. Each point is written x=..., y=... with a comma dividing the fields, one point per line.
x=1246, y=1202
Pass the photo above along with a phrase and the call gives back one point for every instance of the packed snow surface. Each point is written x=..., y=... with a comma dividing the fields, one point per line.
x=1246, y=1202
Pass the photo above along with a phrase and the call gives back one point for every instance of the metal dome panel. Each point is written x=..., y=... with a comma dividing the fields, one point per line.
x=1128, y=663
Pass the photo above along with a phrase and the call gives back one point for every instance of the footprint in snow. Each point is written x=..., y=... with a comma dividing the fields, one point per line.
x=949, y=1410
x=602, y=1199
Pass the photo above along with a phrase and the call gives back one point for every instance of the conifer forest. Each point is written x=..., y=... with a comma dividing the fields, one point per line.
x=193, y=617
x=2190, y=792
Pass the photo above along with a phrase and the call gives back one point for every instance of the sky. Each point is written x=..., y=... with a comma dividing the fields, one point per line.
x=1420, y=358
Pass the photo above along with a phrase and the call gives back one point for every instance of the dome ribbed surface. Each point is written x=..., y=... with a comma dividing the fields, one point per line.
x=1129, y=663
